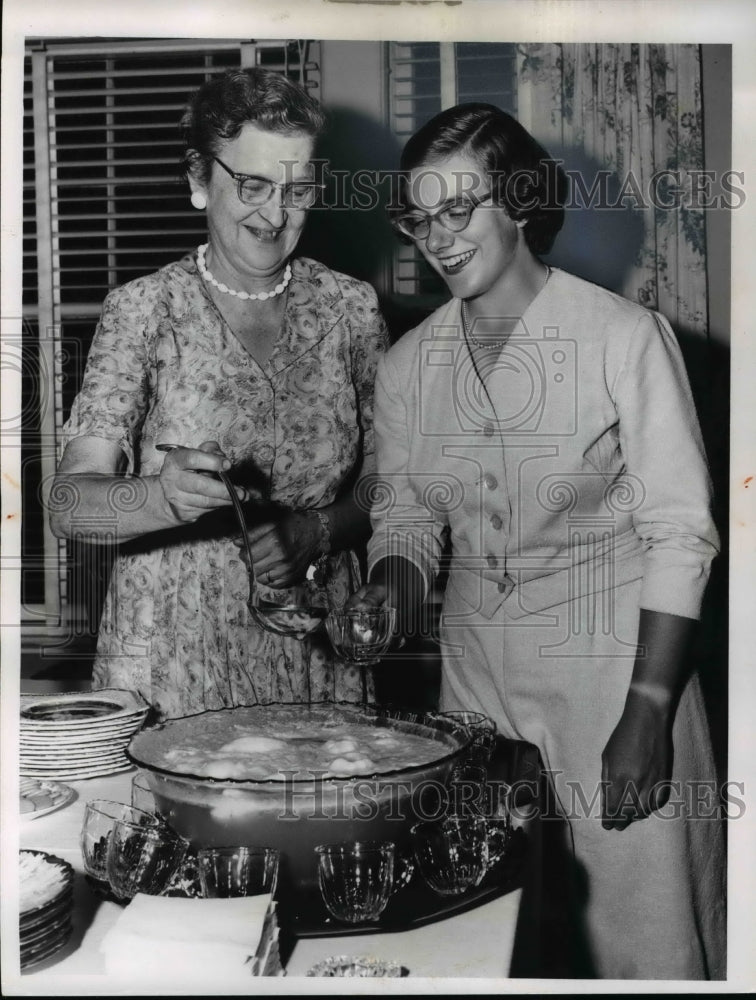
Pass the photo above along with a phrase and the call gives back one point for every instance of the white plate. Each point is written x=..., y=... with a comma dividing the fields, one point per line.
x=47, y=737
x=64, y=763
x=43, y=796
x=80, y=708
x=47, y=731
x=39, y=727
x=77, y=774
x=66, y=769
x=123, y=729
x=50, y=743
x=54, y=749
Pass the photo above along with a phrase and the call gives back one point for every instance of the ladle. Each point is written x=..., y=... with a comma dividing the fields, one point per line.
x=292, y=620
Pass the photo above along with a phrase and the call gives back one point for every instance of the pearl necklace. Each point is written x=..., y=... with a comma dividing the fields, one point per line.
x=493, y=345
x=254, y=296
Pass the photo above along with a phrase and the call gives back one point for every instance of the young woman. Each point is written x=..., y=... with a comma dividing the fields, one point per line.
x=546, y=425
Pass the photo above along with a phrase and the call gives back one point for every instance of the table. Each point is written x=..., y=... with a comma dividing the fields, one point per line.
x=478, y=943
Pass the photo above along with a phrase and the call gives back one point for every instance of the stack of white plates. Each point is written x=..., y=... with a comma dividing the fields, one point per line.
x=78, y=735
x=46, y=898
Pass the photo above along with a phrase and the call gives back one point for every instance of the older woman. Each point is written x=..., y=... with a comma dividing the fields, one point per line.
x=547, y=426
x=254, y=362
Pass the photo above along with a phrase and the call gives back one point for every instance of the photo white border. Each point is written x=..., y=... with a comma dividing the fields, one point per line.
x=699, y=21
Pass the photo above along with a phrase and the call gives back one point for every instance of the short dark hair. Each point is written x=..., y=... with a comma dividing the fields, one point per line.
x=528, y=183
x=221, y=107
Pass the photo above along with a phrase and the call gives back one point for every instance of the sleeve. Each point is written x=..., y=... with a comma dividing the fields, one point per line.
x=369, y=341
x=663, y=451
x=113, y=398
x=402, y=525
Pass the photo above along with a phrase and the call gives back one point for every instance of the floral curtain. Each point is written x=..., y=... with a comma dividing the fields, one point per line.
x=628, y=120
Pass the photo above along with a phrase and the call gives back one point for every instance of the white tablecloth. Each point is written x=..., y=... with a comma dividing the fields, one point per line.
x=475, y=944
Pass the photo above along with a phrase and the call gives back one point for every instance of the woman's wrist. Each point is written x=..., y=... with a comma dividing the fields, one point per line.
x=647, y=695
x=164, y=510
x=402, y=583
x=137, y=505
x=323, y=523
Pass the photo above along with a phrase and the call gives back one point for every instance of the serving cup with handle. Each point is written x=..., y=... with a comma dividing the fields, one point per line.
x=452, y=852
x=238, y=871
x=356, y=879
x=143, y=857
x=101, y=819
x=481, y=729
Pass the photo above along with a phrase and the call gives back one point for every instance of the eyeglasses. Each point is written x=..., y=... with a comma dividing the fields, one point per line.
x=454, y=215
x=253, y=190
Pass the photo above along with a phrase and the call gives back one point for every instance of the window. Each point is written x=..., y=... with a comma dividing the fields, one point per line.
x=104, y=202
x=426, y=77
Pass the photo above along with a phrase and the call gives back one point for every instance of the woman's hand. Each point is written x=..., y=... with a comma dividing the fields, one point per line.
x=637, y=758
x=282, y=551
x=638, y=755
x=397, y=583
x=370, y=595
x=188, y=489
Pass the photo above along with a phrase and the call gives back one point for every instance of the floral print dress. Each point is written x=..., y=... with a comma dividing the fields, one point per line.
x=165, y=367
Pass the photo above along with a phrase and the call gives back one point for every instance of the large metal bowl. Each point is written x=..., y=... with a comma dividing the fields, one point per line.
x=294, y=814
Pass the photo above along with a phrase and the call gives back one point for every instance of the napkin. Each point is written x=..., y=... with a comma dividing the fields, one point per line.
x=159, y=938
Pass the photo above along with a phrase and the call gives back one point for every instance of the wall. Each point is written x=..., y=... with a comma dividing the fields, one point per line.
x=711, y=653
x=356, y=240
x=352, y=77
x=716, y=71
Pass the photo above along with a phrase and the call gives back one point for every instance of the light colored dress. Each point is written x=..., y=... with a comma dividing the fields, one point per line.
x=570, y=474
x=165, y=367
